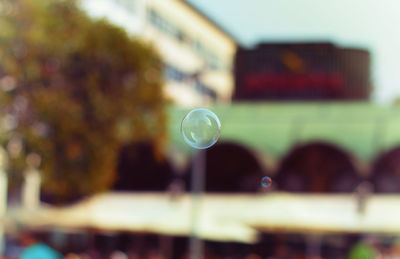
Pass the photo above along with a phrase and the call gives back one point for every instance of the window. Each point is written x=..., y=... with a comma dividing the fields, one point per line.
x=174, y=74
x=205, y=90
x=162, y=24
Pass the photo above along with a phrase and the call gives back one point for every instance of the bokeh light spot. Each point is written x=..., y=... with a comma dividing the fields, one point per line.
x=266, y=182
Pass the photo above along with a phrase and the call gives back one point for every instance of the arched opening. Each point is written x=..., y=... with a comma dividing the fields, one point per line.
x=231, y=167
x=317, y=167
x=139, y=170
x=385, y=174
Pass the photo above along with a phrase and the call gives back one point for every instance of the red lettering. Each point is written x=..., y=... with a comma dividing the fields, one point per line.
x=267, y=83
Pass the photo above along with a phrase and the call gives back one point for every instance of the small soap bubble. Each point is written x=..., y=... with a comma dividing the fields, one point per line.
x=200, y=128
x=266, y=182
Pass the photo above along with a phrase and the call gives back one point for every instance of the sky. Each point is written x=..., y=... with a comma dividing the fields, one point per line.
x=370, y=24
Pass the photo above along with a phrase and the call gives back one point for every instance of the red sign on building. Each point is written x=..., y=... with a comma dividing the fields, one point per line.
x=301, y=72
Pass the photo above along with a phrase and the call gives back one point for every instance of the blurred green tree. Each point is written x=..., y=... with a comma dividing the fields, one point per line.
x=74, y=90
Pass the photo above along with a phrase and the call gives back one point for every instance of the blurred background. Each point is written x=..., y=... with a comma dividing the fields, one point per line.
x=93, y=164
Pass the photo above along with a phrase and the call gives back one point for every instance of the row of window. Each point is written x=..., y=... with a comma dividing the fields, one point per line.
x=174, y=74
x=205, y=90
x=173, y=30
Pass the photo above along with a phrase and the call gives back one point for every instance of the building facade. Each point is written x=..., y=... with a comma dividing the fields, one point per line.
x=197, y=54
x=302, y=71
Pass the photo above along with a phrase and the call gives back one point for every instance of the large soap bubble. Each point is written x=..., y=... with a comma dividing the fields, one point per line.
x=200, y=128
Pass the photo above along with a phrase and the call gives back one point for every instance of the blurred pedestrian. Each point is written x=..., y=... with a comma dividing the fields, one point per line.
x=366, y=249
x=34, y=249
x=253, y=256
x=72, y=256
x=118, y=255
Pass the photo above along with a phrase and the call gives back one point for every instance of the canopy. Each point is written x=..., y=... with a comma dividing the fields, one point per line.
x=144, y=213
x=222, y=217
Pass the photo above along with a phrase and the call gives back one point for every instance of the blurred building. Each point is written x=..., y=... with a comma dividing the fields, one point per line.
x=197, y=54
x=302, y=71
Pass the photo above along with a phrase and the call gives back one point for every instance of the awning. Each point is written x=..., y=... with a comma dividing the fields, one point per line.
x=222, y=217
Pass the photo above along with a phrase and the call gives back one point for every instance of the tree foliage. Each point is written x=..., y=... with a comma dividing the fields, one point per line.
x=74, y=90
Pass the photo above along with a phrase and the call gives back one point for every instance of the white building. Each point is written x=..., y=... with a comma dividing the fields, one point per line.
x=198, y=55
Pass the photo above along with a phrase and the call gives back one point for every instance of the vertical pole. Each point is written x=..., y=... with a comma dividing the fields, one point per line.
x=166, y=246
x=31, y=189
x=3, y=197
x=297, y=125
x=379, y=132
x=196, y=246
x=3, y=207
x=313, y=246
x=33, y=179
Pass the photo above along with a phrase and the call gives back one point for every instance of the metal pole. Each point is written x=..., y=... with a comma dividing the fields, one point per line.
x=3, y=207
x=31, y=189
x=3, y=197
x=196, y=246
x=313, y=246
